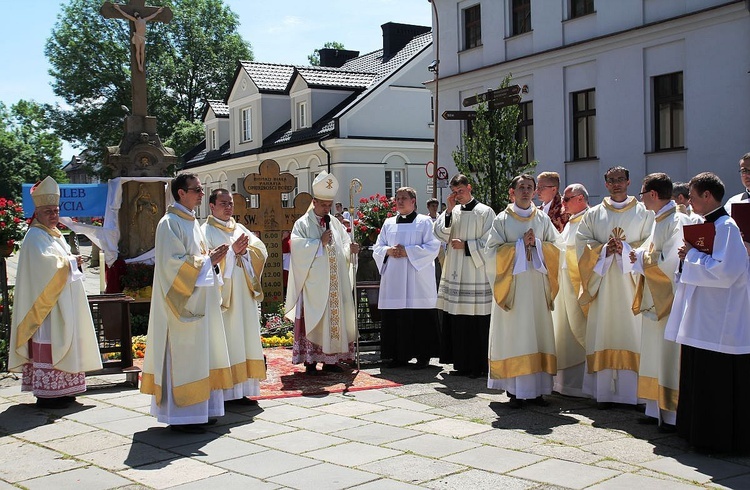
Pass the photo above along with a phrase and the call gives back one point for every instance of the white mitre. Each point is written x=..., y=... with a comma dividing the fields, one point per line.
x=325, y=186
x=46, y=193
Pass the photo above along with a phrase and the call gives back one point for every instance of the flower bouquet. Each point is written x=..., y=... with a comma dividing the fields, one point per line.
x=371, y=215
x=12, y=226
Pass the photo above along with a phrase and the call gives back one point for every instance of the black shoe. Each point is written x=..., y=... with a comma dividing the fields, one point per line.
x=332, y=368
x=211, y=421
x=57, y=402
x=647, y=421
x=667, y=428
x=515, y=403
x=244, y=401
x=188, y=428
x=311, y=370
x=540, y=401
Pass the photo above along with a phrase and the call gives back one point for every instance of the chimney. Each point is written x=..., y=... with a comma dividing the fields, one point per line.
x=335, y=58
x=396, y=36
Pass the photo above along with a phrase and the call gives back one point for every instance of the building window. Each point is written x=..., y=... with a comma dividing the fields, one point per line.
x=247, y=124
x=521, y=16
x=525, y=131
x=302, y=115
x=669, y=112
x=579, y=8
x=392, y=182
x=472, y=27
x=584, y=124
x=214, y=144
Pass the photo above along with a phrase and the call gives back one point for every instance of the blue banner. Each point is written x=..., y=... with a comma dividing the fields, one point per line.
x=76, y=200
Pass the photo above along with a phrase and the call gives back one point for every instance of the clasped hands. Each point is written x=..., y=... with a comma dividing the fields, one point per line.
x=614, y=246
x=397, y=252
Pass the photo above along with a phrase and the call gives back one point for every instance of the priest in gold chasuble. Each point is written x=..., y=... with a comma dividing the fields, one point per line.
x=241, y=295
x=607, y=233
x=524, y=277
x=52, y=337
x=187, y=366
x=319, y=292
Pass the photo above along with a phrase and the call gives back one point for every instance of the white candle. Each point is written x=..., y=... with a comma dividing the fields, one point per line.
x=102, y=270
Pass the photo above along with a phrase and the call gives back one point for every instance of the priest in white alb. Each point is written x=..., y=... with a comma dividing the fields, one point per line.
x=405, y=254
x=52, y=337
x=568, y=318
x=607, y=233
x=241, y=295
x=656, y=262
x=319, y=292
x=523, y=257
x=186, y=367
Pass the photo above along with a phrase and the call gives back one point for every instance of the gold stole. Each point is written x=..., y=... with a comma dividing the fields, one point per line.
x=660, y=285
x=184, y=283
x=333, y=304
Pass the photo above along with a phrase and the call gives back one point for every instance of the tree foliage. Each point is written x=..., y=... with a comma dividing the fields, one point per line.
x=314, y=58
x=29, y=149
x=189, y=60
x=185, y=136
x=491, y=156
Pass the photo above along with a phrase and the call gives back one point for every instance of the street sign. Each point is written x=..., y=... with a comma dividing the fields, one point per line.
x=504, y=102
x=492, y=94
x=429, y=169
x=442, y=184
x=459, y=115
x=442, y=173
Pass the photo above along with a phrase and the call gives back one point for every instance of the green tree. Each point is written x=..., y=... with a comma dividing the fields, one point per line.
x=314, y=58
x=189, y=60
x=491, y=156
x=185, y=136
x=29, y=149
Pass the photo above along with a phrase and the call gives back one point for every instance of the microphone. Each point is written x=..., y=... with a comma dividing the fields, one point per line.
x=327, y=219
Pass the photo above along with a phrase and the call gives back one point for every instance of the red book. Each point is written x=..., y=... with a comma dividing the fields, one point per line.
x=700, y=236
x=741, y=216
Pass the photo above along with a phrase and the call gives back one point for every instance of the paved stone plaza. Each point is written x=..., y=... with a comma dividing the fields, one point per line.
x=435, y=431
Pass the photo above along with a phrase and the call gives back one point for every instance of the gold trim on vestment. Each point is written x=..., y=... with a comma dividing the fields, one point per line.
x=539, y=362
x=250, y=368
x=182, y=214
x=257, y=261
x=43, y=304
x=649, y=389
x=182, y=287
x=552, y=260
x=510, y=211
x=613, y=359
x=50, y=231
x=505, y=257
x=661, y=290
x=633, y=202
x=586, y=265
x=149, y=387
x=213, y=221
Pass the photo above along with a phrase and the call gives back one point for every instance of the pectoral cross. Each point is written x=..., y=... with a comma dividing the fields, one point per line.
x=138, y=14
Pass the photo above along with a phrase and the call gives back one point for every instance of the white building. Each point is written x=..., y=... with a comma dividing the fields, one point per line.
x=652, y=85
x=367, y=117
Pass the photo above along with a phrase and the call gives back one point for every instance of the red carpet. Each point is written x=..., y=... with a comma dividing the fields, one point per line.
x=285, y=379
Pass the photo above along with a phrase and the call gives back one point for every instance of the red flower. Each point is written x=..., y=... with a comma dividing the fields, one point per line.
x=356, y=222
x=375, y=209
x=363, y=228
x=377, y=230
x=390, y=215
x=362, y=200
x=16, y=220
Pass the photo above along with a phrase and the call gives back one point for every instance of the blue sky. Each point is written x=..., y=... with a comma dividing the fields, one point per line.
x=280, y=31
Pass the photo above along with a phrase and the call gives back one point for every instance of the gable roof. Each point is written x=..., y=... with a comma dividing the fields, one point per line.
x=317, y=77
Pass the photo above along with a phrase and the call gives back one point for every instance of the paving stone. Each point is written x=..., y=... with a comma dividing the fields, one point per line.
x=267, y=464
x=377, y=434
x=695, y=467
x=88, y=442
x=478, y=409
x=567, y=453
x=564, y=473
x=412, y=469
x=437, y=400
x=171, y=473
x=19, y=418
x=399, y=417
x=22, y=461
x=352, y=454
x=507, y=438
x=134, y=401
x=166, y=438
x=300, y=441
x=285, y=413
x=352, y=408
x=309, y=401
x=478, y=479
x=89, y=477
x=371, y=396
x=8, y=486
x=742, y=481
x=228, y=481
x=598, y=418
x=629, y=450
x=440, y=412
x=406, y=404
x=110, y=392
x=327, y=423
x=132, y=426
x=433, y=446
x=255, y=429
x=495, y=459
x=452, y=427
x=219, y=449
x=129, y=456
x=326, y=475
x=580, y=434
x=102, y=414
x=528, y=421
x=629, y=481
x=386, y=484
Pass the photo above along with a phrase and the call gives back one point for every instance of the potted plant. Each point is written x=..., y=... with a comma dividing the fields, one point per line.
x=137, y=280
x=12, y=226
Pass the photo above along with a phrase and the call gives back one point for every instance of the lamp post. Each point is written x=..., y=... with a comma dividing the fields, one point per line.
x=435, y=68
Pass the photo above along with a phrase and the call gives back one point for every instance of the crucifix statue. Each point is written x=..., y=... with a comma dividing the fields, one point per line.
x=138, y=14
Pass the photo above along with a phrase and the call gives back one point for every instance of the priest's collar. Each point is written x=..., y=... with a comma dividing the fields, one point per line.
x=184, y=209
x=407, y=218
x=524, y=213
x=666, y=208
x=580, y=213
x=715, y=214
x=221, y=221
x=746, y=195
x=470, y=205
x=619, y=205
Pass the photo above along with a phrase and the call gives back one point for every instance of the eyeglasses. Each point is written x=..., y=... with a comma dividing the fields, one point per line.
x=745, y=171
x=619, y=180
x=644, y=192
x=566, y=199
x=198, y=189
x=545, y=186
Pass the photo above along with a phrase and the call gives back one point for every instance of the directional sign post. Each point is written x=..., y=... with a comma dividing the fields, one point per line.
x=459, y=115
x=505, y=102
x=492, y=95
